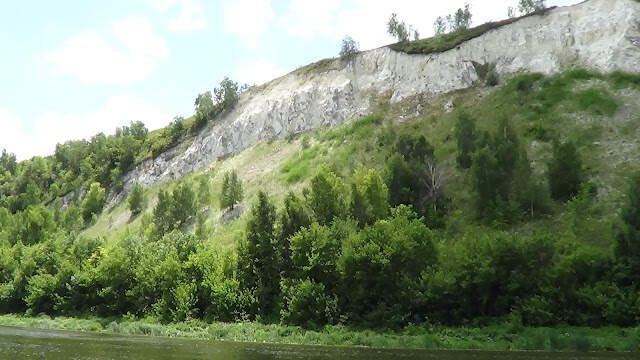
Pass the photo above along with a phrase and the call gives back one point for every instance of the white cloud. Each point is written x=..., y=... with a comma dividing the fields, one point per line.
x=258, y=72
x=248, y=19
x=310, y=18
x=53, y=127
x=190, y=16
x=11, y=130
x=88, y=57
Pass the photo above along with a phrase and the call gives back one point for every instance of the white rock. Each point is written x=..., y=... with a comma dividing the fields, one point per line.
x=602, y=35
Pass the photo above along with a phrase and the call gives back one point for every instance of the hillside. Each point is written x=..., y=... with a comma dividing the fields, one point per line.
x=381, y=191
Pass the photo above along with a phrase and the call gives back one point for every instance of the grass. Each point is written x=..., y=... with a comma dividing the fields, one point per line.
x=444, y=42
x=587, y=106
x=495, y=337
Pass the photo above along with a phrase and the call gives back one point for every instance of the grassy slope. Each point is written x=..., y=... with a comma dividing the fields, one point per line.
x=444, y=42
x=599, y=112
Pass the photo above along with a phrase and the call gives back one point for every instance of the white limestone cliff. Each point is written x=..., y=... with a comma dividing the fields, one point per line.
x=602, y=35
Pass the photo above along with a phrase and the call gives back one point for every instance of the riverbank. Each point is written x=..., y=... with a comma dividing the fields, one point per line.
x=496, y=337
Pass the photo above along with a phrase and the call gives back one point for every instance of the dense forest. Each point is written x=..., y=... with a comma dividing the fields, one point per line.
x=367, y=247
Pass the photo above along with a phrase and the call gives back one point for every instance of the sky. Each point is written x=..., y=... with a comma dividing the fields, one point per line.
x=73, y=68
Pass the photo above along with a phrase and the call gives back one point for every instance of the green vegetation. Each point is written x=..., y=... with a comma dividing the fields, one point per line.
x=424, y=229
x=502, y=337
x=232, y=192
x=458, y=35
x=135, y=201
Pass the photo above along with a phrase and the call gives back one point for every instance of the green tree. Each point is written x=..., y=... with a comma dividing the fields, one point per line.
x=183, y=205
x=382, y=268
x=397, y=28
x=136, y=199
x=204, y=191
x=162, y=217
x=439, y=26
x=565, y=171
x=93, y=201
x=293, y=217
x=529, y=6
x=227, y=94
x=369, y=197
x=232, y=192
x=258, y=256
x=349, y=48
x=314, y=253
x=466, y=139
x=461, y=19
x=327, y=197
x=627, y=248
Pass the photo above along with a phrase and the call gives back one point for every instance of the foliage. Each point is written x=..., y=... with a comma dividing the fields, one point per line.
x=349, y=48
x=466, y=139
x=565, y=172
x=529, y=6
x=136, y=199
x=174, y=210
x=397, y=28
x=628, y=238
x=93, y=202
x=382, y=268
x=232, y=192
x=258, y=257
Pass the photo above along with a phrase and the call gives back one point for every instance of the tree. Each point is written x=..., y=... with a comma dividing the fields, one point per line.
x=565, y=171
x=627, y=248
x=397, y=28
x=382, y=268
x=529, y=6
x=93, y=202
x=232, y=192
x=204, y=191
x=466, y=139
x=327, y=197
x=349, y=48
x=136, y=199
x=293, y=217
x=8, y=162
x=258, y=256
x=183, y=205
x=226, y=95
x=369, y=197
x=204, y=110
x=462, y=19
x=439, y=26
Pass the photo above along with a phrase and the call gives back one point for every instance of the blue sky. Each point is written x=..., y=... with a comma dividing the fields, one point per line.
x=71, y=69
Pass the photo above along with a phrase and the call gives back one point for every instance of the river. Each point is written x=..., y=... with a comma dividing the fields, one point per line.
x=19, y=343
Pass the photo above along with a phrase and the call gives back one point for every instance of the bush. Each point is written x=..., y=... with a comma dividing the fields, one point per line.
x=136, y=199
x=308, y=304
x=565, y=172
x=382, y=268
x=93, y=202
x=349, y=48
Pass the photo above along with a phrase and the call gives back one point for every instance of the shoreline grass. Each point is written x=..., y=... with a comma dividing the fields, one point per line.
x=495, y=337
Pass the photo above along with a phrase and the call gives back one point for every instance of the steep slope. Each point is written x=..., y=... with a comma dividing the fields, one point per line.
x=602, y=35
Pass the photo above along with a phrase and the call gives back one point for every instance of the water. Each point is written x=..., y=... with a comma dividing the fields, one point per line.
x=19, y=343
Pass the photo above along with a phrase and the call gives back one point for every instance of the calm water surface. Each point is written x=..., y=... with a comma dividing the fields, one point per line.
x=18, y=343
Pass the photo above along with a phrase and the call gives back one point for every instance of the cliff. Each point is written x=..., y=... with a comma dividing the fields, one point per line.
x=602, y=35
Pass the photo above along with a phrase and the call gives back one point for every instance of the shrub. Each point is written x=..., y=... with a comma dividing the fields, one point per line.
x=93, y=202
x=308, y=304
x=349, y=48
x=136, y=199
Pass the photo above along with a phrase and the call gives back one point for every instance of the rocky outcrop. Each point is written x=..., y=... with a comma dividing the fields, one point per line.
x=598, y=34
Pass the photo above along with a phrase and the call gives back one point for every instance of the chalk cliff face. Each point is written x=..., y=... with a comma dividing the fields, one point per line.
x=597, y=34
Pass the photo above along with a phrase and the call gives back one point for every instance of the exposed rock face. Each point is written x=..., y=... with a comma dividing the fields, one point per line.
x=598, y=34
